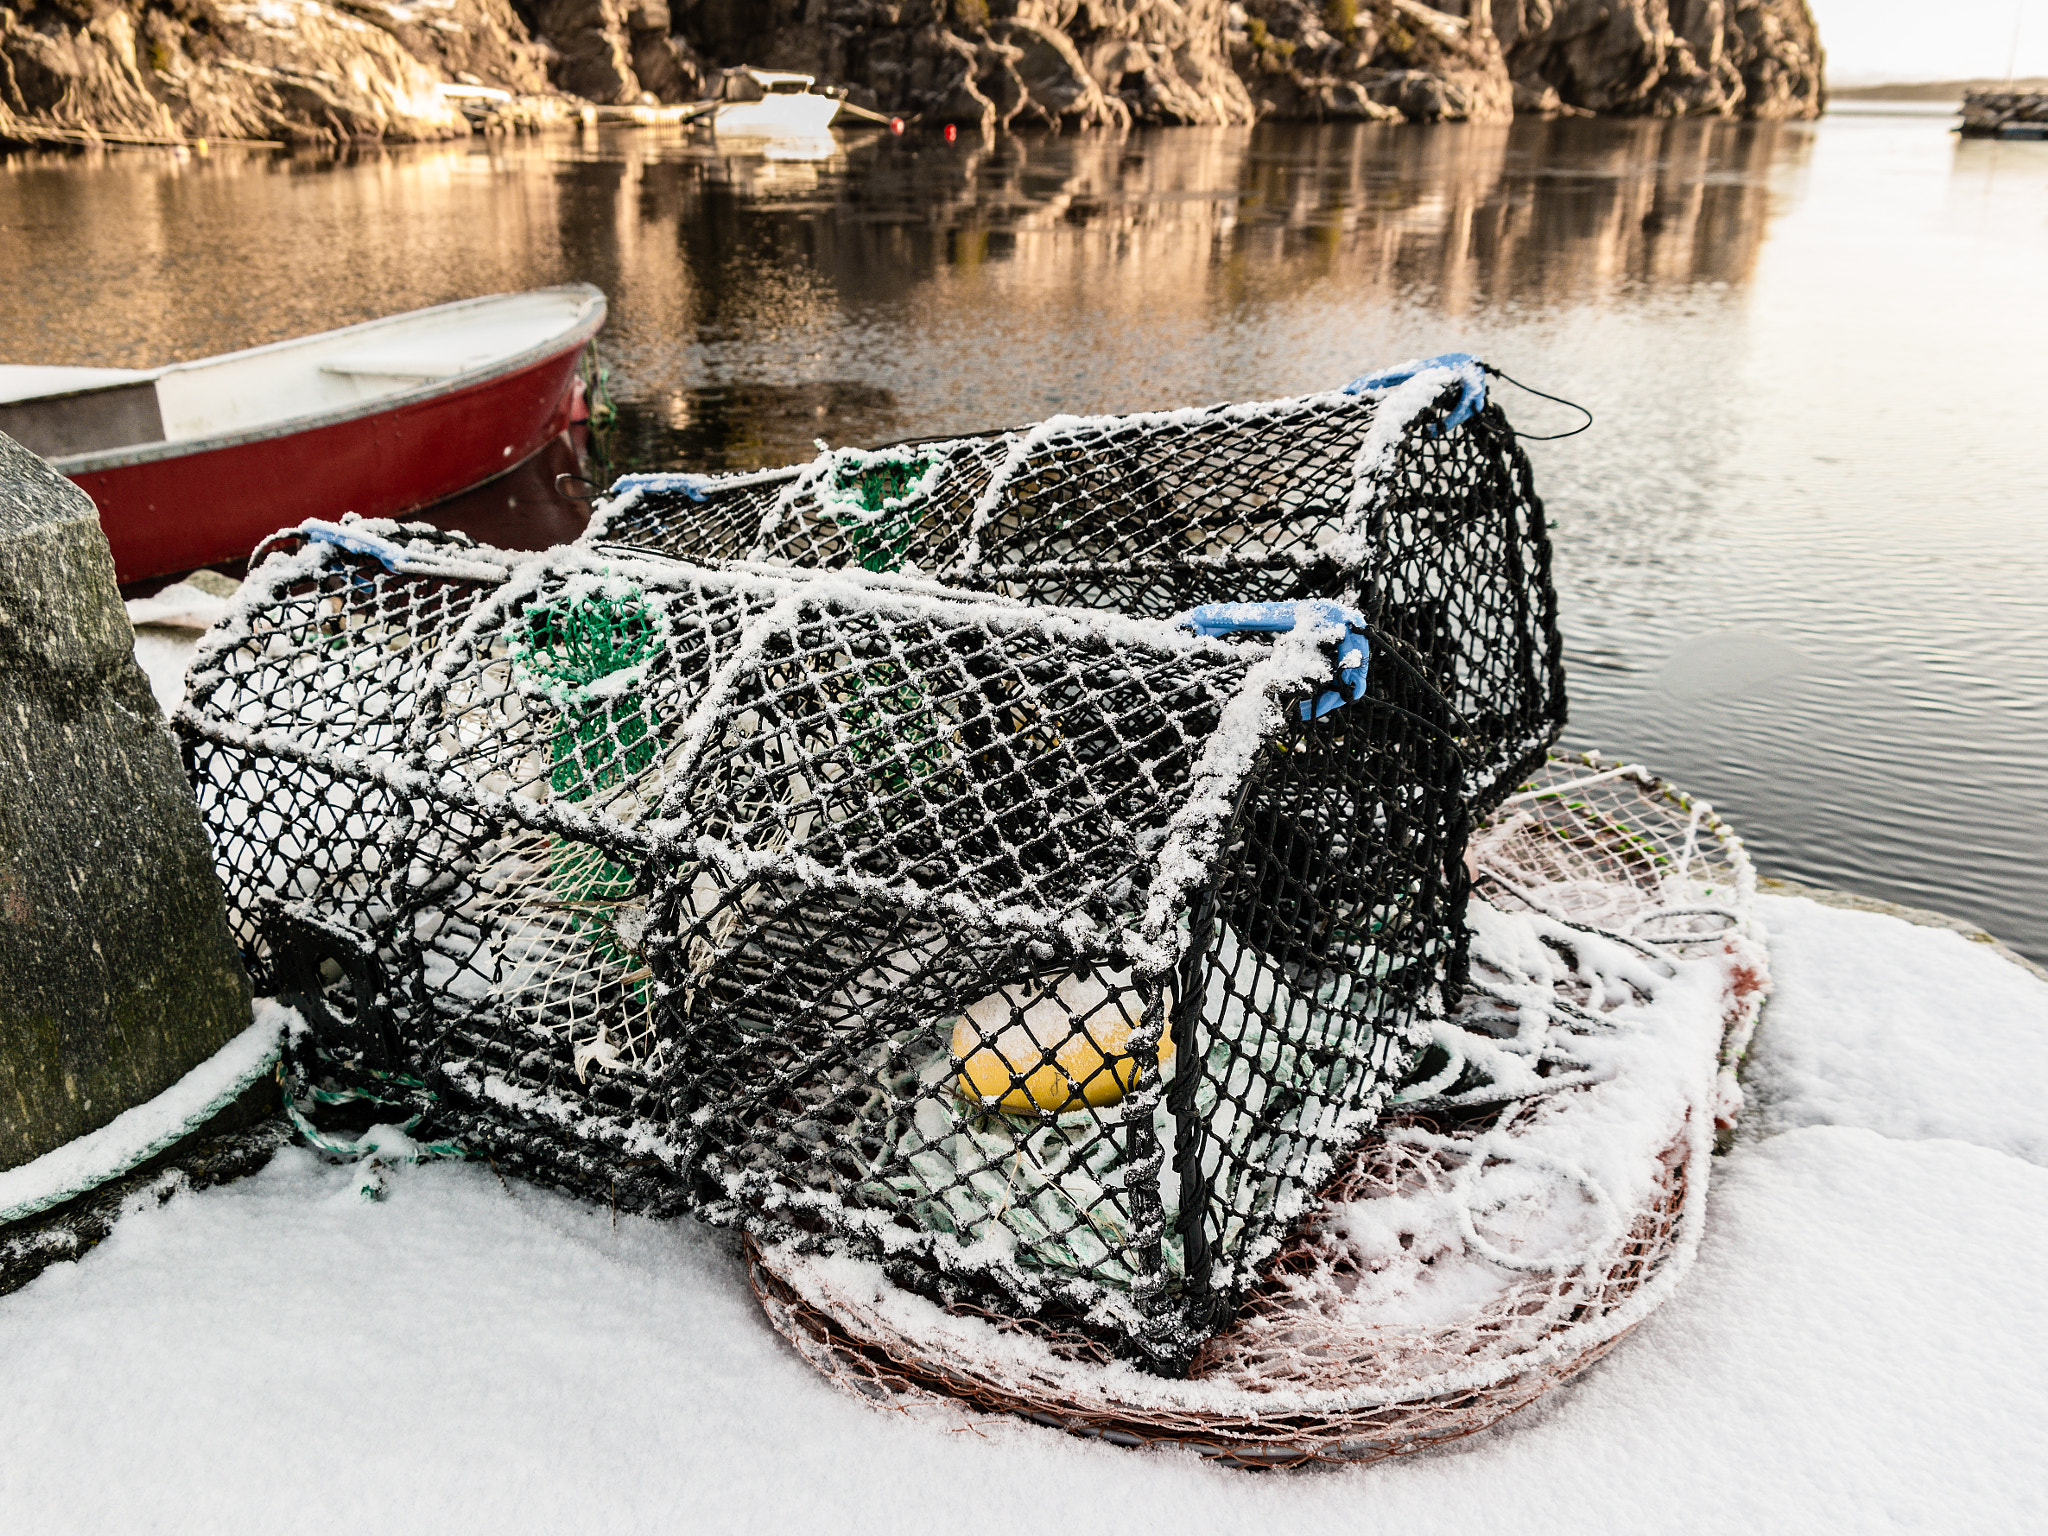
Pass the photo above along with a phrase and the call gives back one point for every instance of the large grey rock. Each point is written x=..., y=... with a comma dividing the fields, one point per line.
x=1099, y=62
x=1053, y=84
x=666, y=65
x=117, y=971
x=310, y=70
x=1054, y=63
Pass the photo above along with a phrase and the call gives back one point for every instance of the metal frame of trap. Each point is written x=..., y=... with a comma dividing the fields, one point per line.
x=1404, y=495
x=668, y=885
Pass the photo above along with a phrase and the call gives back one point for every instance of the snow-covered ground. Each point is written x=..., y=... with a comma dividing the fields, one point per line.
x=1863, y=1345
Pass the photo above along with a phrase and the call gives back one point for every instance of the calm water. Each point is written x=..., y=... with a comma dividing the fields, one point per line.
x=1802, y=552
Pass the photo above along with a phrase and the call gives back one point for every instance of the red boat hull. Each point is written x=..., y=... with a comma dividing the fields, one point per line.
x=184, y=510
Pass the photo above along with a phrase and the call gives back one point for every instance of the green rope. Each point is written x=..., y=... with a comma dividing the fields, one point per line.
x=370, y=1150
x=590, y=888
x=600, y=747
x=87, y=1180
x=575, y=644
x=878, y=485
x=599, y=744
x=568, y=648
x=597, y=388
x=894, y=735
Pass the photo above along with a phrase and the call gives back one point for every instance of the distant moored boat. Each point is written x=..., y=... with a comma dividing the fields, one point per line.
x=192, y=464
x=768, y=103
x=2005, y=115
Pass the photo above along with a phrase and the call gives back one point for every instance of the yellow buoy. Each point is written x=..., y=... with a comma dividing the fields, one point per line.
x=1070, y=1048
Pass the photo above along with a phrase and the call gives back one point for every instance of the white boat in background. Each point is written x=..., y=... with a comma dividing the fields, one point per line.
x=768, y=103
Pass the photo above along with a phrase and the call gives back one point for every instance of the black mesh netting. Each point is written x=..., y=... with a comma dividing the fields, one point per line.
x=1395, y=500
x=1050, y=957
x=891, y=877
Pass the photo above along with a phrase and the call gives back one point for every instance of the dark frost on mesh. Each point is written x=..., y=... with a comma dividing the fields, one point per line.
x=1051, y=959
x=1434, y=531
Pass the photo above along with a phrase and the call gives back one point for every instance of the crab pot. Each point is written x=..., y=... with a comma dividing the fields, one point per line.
x=1404, y=495
x=1051, y=958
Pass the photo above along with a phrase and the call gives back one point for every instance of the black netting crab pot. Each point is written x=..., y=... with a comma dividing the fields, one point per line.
x=1404, y=495
x=1050, y=958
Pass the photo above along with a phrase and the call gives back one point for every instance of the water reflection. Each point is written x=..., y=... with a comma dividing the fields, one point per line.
x=874, y=286
x=908, y=286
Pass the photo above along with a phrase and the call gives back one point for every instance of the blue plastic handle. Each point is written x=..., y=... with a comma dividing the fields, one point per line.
x=1354, y=651
x=449, y=564
x=691, y=486
x=383, y=551
x=1471, y=374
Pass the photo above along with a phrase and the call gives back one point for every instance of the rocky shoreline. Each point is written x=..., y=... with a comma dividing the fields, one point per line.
x=328, y=72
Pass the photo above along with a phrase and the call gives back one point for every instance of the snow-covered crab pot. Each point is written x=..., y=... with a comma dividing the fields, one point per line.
x=1050, y=958
x=1532, y=1193
x=1403, y=495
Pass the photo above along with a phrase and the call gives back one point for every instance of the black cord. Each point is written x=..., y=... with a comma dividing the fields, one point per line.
x=1552, y=436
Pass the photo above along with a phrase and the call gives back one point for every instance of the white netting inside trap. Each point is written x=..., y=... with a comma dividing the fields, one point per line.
x=570, y=929
x=1050, y=1188
x=1536, y=1193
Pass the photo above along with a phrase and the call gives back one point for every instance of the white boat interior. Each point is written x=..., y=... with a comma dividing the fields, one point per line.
x=60, y=412
x=25, y=381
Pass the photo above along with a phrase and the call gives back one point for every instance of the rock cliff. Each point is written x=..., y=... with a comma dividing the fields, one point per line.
x=1663, y=58
x=1395, y=60
x=294, y=70
x=335, y=70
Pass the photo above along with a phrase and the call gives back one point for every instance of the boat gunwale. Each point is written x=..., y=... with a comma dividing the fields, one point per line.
x=589, y=321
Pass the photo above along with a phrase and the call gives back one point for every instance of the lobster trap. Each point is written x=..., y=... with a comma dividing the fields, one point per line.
x=1050, y=958
x=1404, y=495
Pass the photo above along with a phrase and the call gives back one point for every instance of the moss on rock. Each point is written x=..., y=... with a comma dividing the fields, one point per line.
x=120, y=971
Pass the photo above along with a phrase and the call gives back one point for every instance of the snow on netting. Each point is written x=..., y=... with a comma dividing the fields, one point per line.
x=1531, y=1196
x=1050, y=958
x=1404, y=495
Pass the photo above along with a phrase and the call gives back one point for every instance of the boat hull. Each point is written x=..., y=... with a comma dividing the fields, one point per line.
x=788, y=114
x=179, y=511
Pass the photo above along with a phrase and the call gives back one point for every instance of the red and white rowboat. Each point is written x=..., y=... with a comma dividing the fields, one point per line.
x=192, y=464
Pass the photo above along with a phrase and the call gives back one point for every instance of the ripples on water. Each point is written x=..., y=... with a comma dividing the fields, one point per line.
x=1801, y=551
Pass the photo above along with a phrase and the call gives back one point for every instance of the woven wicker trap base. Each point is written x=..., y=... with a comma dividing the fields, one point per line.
x=1500, y=1233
